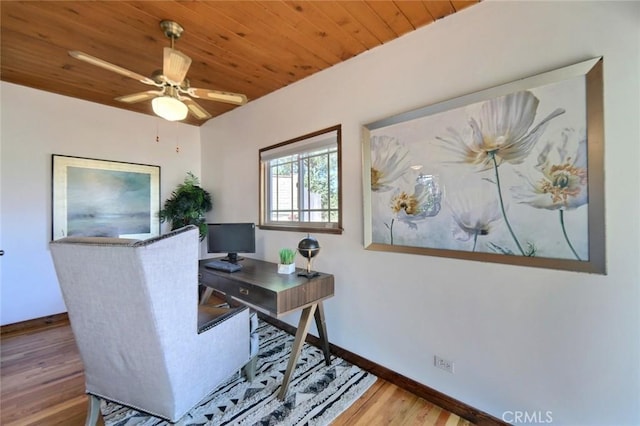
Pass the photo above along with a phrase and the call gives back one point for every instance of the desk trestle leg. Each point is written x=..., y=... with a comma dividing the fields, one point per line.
x=301, y=333
x=206, y=294
x=322, y=333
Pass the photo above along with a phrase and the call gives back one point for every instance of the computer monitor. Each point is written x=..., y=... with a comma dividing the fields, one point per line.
x=231, y=238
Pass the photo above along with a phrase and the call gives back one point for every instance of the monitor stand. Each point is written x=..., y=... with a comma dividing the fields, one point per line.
x=232, y=258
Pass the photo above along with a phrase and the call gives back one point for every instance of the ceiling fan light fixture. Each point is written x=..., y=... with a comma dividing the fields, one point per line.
x=169, y=108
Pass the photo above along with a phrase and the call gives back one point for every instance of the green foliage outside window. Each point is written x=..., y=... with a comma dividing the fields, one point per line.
x=322, y=178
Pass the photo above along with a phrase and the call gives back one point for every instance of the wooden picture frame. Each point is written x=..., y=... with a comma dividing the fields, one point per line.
x=513, y=174
x=104, y=198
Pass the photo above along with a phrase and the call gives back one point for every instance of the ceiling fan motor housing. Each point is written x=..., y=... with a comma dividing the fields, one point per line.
x=171, y=29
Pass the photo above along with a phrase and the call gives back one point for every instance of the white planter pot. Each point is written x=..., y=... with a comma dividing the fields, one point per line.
x=286, y=269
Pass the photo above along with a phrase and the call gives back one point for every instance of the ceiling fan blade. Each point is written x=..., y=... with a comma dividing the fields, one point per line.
x=196, y=110
x=111, y=67
x=139, y=97
x=175, y=65
x=216, y=95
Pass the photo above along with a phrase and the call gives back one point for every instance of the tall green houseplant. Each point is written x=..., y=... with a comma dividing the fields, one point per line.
x=187, y=206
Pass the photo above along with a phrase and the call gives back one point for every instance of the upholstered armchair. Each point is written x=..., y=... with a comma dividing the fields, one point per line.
x=144, y=341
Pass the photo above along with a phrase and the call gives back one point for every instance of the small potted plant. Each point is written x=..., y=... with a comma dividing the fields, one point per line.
x=287, y=265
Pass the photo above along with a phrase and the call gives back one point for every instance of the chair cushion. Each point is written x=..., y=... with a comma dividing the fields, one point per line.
x=210, y=316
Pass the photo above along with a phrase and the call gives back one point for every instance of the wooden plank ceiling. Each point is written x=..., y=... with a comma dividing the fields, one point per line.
x=250, y=47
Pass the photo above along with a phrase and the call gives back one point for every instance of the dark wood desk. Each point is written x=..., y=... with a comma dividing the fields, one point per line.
x=259, y=286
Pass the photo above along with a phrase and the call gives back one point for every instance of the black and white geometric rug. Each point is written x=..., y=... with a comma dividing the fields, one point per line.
x=317, y=393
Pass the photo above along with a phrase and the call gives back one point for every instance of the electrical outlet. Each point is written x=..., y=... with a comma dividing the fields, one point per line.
x=443, y=364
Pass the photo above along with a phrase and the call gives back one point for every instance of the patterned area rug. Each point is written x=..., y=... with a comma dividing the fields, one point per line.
x=317, y=393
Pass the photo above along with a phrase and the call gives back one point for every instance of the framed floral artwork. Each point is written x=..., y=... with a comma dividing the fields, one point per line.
x=512, y=174
x=99, y=198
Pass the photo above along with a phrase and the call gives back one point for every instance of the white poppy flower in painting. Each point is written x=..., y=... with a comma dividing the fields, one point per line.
x=559, y=179
x=473, y=210
x=406, y=208
x=501, y=133
x=389, y=161
x=424, y=202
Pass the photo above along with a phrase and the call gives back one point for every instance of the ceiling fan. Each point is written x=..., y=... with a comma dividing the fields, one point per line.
x=172, y=98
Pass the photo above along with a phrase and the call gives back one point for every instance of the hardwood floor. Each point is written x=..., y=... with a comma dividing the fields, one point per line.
x=42, y=383
x=41, y=378
x=387, y=404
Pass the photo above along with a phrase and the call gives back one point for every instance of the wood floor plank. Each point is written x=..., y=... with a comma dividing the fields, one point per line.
x=351, y=415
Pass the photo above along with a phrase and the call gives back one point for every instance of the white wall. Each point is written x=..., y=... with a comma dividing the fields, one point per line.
x=522, y=339
x=36, y=124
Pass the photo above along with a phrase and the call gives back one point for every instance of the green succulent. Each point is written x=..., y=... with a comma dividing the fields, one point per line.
x=187, y=206
x=287, y=256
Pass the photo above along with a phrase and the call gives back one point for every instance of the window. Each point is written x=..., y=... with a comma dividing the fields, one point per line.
x=300, y=183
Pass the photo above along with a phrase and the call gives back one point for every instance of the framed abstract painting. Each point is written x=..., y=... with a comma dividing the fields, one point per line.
x=513, y=174
x=104, y=198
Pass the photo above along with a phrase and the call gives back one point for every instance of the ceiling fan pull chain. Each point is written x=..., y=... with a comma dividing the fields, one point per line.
x=177, y=139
